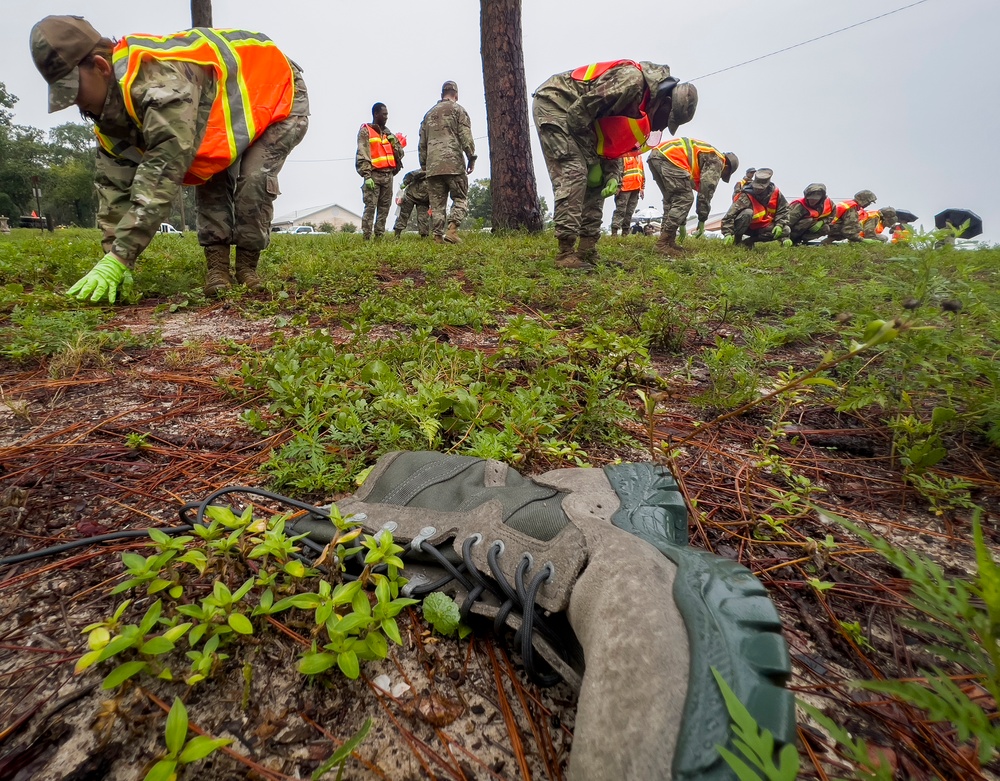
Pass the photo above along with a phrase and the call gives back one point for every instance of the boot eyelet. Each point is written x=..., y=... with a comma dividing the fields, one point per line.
x=476, y=538
x=552, y=571
x=498, y=546
x=530, y=559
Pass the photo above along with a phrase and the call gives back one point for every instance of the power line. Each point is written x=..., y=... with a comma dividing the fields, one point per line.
x=343, y=159
x=811, y=40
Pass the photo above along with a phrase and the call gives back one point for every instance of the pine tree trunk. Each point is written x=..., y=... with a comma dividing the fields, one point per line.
x=512, y=172
x=201, y=13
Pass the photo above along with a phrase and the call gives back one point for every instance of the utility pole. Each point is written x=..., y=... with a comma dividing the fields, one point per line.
x=201, y=13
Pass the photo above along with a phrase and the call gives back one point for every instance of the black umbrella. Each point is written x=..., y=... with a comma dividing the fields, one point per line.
x=957, y=218
x=902, y=215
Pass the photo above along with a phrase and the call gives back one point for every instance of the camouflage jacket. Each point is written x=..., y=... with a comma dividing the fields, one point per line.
x=574, y=105
x=445, y=135
x=742, y=203
x=711, y=172
x=798, y=212
x=415, y=187
x=136, y=189
x=848, y=226
x=363, y=159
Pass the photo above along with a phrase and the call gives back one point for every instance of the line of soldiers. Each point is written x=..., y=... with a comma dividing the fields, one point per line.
x=447, y=155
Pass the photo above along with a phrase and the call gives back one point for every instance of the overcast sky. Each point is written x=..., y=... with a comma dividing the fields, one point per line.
x=906, y=105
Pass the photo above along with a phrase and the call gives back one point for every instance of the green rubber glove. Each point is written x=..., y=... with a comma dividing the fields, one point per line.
x=595, y=175
x=370, y=183
x=103, y=280
x=682, y=232
x=701, y=230
x=786, y=242
x=778, y=231
x=817, y=227
x=870, y=241
x=610, y=188
x=728, y=240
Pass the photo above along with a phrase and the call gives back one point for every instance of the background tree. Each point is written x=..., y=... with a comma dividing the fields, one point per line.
x=480, y=205
x=515, y=194
x=201, y=13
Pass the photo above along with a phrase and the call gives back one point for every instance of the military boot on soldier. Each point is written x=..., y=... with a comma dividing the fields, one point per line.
x=591, y=572
x=217, y=279
x=567, y=256
x=246, y=268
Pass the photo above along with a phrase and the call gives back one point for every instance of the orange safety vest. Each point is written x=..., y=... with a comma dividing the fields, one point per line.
x=844, y=207
x=763, y=215
x=685, y=154
x=865, y=216
x=255, y=88
x=634, y=175
x=381, y=149
x=900, y=234
x=617, y=136
x=817, y=214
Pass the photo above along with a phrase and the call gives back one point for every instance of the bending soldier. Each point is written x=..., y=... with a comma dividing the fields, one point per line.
x=809, y=217
x=169, y=110
x=759, y=213
x=874, y=222
x=846, y=222
x=587, y=120
x=680, y=167
x=414, y=197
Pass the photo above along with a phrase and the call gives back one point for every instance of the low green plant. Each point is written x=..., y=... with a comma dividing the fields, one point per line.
x=868, y=765
x=442, y=613
x=180, y=750
x=339, y=757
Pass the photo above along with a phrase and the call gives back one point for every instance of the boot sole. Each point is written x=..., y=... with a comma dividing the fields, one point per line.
x=732, y=625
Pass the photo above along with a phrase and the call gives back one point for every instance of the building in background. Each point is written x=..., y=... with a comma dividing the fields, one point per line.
x=334, y=214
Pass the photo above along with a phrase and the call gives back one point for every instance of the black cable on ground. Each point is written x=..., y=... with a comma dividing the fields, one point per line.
x=122, y=535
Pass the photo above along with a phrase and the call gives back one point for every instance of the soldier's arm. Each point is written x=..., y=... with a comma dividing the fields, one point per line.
x=113, y=181
x=169, y=108
x=781, y=215
x=851, y=225
x=465, y=136
x=711, y=172
x=741, y=203
x=363, y=159
x=795, y=213
x=422, y=144
x=615, y=93
x=397, y=150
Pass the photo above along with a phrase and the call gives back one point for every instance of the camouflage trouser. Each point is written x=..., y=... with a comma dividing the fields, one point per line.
x=236, y=206
x=579, y=209
x=675, y=184
x=846, y=228
x=438, y=189
x=741, y=228
x=420, y=217
x=380, y=198
x=625, y=203
x=802, y=230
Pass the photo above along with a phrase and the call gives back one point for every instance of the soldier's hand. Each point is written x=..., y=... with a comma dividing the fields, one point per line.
x=728, y=240
x=370, y=183
x=777, y=231
x=701, y=230
x=610, y=188
x=103, y=280
x=682, y=232
x=595, y=175
x=786, y=242
x=472, y=166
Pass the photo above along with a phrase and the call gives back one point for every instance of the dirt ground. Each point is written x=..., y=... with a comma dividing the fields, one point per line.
x=66, y=472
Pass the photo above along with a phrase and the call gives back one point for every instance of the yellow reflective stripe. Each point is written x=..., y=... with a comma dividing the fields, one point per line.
x=589, y=73
x=600, y=138
x=224, y=92
x=637, y=133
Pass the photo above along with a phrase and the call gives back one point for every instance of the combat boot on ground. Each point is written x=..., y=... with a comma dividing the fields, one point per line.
x=451, y=235
x=614, y=231
x=587, y=250
x=590, y=568
x=246, y=268
x=567, y=256
x=217, y=277
x=438, y=239
x=668, y=246
x=398, y=232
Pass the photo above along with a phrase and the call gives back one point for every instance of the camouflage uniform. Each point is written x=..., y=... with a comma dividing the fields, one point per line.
x=564, y=112
x=875, y=222
x=847, y=227
x=137, y=189
x=378, y=200
x=414, y=196
x=445, y=136
x=677, y=187
x=801, y=224
x=737, y=220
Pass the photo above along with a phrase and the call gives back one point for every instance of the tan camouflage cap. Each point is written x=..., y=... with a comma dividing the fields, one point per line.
x=683, y=103
x=865, y=198
x=888, y=215
x=816, y=188
x=762, y=177
x=732, y=163
x=449, y=86
x=58, y=44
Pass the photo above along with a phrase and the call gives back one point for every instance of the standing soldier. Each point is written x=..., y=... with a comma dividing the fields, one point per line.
x=627, y=198
x=379, y=159
x=589, y=118
x=681, y=166
x=874, y=222
x=414, y=196
x=219, y=109
x=760, y=213
x=846, y=223
x=445, y=136
x=809, y=217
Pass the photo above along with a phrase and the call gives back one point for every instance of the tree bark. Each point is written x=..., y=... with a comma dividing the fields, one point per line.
x=201, y=13
x=512, y=172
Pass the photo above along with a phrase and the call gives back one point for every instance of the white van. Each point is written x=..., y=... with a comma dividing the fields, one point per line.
x=166, y=227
